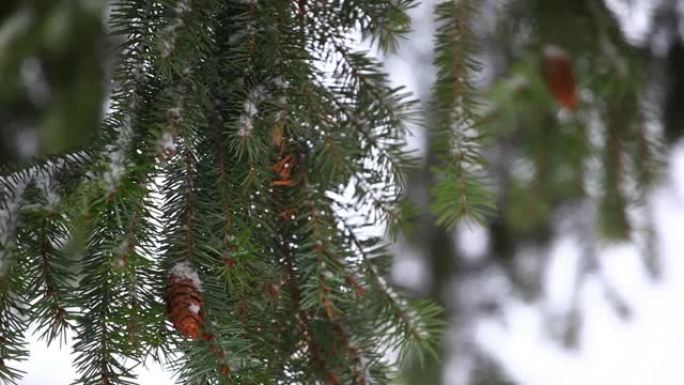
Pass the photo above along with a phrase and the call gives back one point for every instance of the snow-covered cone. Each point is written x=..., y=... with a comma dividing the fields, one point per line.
x=184, y=301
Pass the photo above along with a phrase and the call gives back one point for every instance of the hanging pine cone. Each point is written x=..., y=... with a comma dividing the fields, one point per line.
x=184, y=301
x=559, y=77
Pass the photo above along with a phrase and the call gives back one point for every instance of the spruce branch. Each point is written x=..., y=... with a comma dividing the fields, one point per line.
x=185, y=170
x=13, y=302
x=406, y=326
x=462, y=192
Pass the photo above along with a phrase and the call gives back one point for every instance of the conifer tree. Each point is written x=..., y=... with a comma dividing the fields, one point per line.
x=542, y=112
x=219, y=219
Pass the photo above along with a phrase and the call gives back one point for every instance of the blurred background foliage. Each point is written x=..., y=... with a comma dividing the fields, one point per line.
x=602, y=150
x=554, y=172
x=51, y=76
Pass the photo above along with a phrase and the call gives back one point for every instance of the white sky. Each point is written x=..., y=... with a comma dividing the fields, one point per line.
x=644, y=349
x=53, y=366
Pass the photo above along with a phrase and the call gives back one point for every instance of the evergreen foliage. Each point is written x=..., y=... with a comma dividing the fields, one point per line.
x=533, y=170
x=462, y=192
x=604, y=152
x=250, y=140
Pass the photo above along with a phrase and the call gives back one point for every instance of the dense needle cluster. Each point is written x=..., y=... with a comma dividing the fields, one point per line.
x=219, y=222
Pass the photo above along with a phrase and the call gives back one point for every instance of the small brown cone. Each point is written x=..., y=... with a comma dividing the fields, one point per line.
x=184, y=301
x=559, y=77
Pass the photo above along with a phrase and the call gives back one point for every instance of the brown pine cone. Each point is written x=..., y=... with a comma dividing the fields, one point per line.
x=184, y=301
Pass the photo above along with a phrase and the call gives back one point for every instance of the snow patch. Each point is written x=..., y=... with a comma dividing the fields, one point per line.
x=246, y=124
x=116, y=154
x=185, y=270
x=166, y=144
x=194, y=308
x=181, y=8
x=44, y=181
x=280, y=82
